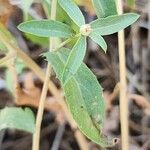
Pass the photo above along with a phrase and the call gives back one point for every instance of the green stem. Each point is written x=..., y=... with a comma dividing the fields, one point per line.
x=66, y=42
x=83, y=144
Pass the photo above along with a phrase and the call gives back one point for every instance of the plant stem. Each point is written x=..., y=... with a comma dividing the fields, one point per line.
x=28, y=62
x=123, y=87
x=36, y=135
x=83, y=144
x=12, y=69
x=66, y=42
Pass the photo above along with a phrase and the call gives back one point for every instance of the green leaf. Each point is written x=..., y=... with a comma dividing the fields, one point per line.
x=75, y=59
x=46, y=28
x=11, y=117
x=73, y=11
x=84, y=98
x=112, y=24
x=47, y=7
x=99, y=40
x=105, y=8
x=43, y=41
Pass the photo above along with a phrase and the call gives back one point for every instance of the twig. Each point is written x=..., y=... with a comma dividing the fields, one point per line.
x=148, y=40
x=36, y=135
x=29, y=63
x=146, y=145
x=139, y=128
x=140, y=100
x=110, y=97
x=13, y=71
x=58, y=137
x=6, y=58
x=2, y=134
x=123, y=87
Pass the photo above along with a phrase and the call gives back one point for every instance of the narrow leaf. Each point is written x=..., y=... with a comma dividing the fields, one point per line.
x=105, y=8
x=112, y=24
x=84, y=98
x=17, y=118
x=99, y=40
x=75, y=59
x=73, y=11
x=46, y=28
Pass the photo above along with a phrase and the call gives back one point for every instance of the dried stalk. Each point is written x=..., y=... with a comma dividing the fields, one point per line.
x=36, y=135
x=123, y=87
x=12, y=68
x=6, y=58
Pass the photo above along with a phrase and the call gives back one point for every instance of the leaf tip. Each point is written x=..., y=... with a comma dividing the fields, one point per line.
x=105, y=50
x=135, y=16
x=19, y=27
x=22, y=26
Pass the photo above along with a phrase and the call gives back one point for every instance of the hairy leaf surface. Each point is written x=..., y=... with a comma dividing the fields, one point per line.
x=75, y=59
x=84, y=98
x=46, y=28
x=11, y=117
x=105, y=8
x=73, y=11
x=112, y=24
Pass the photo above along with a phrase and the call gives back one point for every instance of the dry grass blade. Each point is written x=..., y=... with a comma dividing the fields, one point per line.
x=123, y=86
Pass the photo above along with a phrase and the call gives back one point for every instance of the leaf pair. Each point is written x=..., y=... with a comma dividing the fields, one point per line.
x=83, y=93
x=103, y=26
x=84, y=97
x=99, y=27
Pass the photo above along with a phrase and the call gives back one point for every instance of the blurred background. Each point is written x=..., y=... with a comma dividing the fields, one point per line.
x=57, y=133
